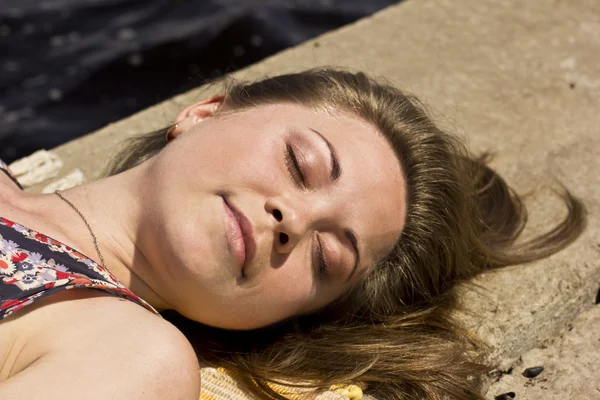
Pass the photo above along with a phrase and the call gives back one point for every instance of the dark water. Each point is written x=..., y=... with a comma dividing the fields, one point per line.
x=68, y=67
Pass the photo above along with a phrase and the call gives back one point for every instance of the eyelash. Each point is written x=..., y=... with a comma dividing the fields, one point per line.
x=295, y=172
x=293, y=167
x=322, y=262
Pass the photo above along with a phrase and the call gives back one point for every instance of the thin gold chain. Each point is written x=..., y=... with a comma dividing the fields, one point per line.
x=59, y=194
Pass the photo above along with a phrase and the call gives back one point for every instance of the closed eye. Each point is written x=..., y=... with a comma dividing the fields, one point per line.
x=293, y=167
x=320, y=265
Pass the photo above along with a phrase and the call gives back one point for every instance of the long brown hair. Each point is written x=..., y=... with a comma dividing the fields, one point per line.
x=394, y=330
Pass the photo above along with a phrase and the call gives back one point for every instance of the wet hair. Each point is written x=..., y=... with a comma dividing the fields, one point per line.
x=395, y=329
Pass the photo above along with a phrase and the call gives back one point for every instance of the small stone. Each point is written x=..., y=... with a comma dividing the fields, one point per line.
x=533, y=372
x=505, y=396
x=572, y=85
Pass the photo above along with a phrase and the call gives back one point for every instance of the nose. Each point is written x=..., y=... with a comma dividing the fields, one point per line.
x=291, y=221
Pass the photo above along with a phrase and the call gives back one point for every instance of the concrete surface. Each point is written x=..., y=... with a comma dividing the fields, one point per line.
x=519, y=78
x=571, y=365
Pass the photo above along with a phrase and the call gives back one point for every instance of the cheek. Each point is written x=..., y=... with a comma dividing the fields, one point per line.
x=188, y=266
x=290, y=286
x=245, y=158
x=282, y=292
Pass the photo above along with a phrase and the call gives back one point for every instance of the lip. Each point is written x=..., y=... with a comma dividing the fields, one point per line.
x=239, y=235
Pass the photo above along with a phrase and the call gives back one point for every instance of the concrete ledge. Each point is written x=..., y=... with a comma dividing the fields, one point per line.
x=520, y=79
x=570, y=368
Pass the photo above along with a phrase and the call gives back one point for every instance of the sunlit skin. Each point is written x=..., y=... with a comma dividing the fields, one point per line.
x=243, y=155
x=162, y=226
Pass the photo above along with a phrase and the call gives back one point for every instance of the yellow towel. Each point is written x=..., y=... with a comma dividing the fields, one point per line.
x=352, y=392
x=221, y=384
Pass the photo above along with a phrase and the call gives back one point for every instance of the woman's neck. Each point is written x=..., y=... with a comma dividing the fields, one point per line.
x=112, y=208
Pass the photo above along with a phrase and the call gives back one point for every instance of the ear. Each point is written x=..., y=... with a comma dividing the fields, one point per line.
x=195, y=113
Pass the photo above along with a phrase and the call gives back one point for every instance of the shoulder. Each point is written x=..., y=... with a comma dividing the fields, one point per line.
x=106, y=340
x=143, y=347
x=7, y=179
x=10, y=193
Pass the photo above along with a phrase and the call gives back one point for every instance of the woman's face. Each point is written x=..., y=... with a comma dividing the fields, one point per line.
x=322, y=198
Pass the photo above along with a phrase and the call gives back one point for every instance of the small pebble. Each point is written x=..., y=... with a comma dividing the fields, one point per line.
x=505, y=396
x=533, y=372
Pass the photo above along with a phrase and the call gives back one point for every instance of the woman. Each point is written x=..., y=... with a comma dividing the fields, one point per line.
x=313, y=225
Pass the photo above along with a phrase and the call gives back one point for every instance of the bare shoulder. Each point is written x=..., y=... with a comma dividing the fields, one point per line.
x=110, y=347
x=9, y=192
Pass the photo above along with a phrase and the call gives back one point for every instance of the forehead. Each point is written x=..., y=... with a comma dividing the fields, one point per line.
x=370, y=195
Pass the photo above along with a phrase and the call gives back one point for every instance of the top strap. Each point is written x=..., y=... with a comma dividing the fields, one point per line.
x=4, y=168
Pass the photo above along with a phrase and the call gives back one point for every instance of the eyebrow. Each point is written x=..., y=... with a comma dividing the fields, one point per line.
x=336, y=172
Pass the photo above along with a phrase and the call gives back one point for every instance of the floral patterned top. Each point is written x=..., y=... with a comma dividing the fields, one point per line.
x=34, y=266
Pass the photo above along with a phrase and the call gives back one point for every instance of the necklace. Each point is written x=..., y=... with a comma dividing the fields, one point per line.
x=63, y=198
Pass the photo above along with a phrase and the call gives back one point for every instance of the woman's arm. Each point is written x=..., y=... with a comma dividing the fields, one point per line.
x=104, y=348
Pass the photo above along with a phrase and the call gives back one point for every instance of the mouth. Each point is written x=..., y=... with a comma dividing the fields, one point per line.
x=238, y=231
